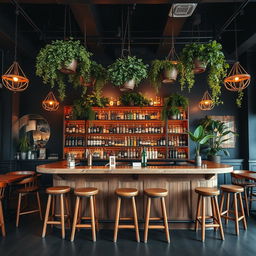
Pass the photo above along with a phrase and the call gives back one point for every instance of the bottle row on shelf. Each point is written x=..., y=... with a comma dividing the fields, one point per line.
x=175, y=154
x=177, y=129
x=117, y=129
x=124, y=142
x=127, y=115
x=75, y=128
x=75, y=141
x=177, y=141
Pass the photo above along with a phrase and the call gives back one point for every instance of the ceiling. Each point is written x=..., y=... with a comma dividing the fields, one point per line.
x=151, y=28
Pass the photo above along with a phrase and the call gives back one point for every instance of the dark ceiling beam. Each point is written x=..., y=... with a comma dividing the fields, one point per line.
x=173, y=27
x=87, y=20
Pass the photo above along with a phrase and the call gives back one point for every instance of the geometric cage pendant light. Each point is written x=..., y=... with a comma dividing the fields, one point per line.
x=238, y=79
x=50, y=103
x=14, y=78
x=206, y=103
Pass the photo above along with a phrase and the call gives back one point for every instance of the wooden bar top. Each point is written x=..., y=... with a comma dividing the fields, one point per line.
x=62, y=168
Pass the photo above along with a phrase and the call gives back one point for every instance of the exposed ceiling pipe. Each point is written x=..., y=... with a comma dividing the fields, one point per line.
x=231, y=18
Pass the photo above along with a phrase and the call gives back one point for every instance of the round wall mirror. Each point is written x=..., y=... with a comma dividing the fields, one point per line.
x=36, y=128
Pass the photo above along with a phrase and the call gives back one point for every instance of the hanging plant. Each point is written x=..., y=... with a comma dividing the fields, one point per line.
x=162, y=71
x=210, y=54
x=127, y=72
x=173, y=104
x=134, y=99
x=56, y=57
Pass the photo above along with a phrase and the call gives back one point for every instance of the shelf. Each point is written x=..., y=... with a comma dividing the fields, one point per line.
x=126, y=121
x=116, y=147
x=75, y=134
x=127, y=134
x=127, y=108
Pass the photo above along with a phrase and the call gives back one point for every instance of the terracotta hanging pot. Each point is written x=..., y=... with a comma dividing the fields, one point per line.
x=170, y=75
x=69, y=69
x=89, y=83
x=128, y=86
x=199, y=66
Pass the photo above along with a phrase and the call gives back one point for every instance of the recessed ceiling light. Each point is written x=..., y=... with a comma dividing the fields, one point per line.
x=182, y=10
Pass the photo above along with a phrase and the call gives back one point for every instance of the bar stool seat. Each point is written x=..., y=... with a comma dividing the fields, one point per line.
x=203, y=193
x=28, y=190
x=58, y=190
x=126, y=193
x=156, y=192
x=54, y=192
x=237, y=192
x=161, y=194
x=90, y=194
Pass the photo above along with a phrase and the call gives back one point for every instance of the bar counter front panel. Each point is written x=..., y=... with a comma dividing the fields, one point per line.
x=180, y=181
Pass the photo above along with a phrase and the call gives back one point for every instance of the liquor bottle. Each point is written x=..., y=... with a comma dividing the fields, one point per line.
x=143, y=158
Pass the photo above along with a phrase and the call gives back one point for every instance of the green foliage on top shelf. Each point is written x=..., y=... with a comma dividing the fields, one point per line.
x=126, y=69
x=157, y=68
x=60, y=53
x=211, y=54
x=24, y=144
x=82, y=111
x=172, y=105
x=219, y=132
x=134, y=99
x=96, y=99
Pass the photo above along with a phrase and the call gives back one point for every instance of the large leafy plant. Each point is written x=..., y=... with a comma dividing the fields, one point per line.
x=199, y=137
x=173, y=104
x=211, y=54
x=82, y=111
x=126, y=69
x=133, y=99
x=220, y=133
x=157, y=68
x=60, y=53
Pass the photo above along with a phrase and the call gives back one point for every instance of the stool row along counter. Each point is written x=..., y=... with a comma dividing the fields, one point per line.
x=58, y=208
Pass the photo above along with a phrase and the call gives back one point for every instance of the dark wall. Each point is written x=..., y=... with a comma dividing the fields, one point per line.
x=30, y=103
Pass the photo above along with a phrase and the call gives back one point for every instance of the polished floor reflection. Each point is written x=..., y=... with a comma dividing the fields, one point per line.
x=26, y=240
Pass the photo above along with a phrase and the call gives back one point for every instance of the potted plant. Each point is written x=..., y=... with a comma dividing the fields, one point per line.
x=199, y=137
x=134, y=99
x=24, y=146
x=165, y=71
x=127, y=72
x=173, y=106
x=220, y=133
x=62, y=56
x=196, y=57
x=82, y=111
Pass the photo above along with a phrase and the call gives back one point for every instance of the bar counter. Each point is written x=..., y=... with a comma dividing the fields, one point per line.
x=179, y=180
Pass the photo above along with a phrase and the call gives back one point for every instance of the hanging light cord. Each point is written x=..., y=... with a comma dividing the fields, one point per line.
x=16, y=33
x=65, y=22
x=236, y=50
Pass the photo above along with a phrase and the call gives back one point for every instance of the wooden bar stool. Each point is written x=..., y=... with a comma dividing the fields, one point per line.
x=90, y=194
x=126, y=193
x=30, y=187
x=2, y=225
x=53, y=193
x=236, y=191
x=161, y=194
x=203, y=193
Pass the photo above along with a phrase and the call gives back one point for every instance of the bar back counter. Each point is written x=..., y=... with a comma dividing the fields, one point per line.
x=179, y=180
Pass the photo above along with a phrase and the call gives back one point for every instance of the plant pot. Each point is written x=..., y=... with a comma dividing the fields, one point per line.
x=170, y=75
x=87, y=84
x=199, y=66
x=173, y=117
x=128, y=86
x=198, y=161
x=69, y=69
x=215, y=159
x=23, y=155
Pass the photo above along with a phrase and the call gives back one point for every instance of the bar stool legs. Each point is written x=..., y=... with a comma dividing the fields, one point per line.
x=53, y=192
x=236, y=191
x=126, y=193
x=156, y=193
x=90, y=194
x=2, y=225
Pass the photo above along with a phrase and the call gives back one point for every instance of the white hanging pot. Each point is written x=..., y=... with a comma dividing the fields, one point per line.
x=199, y=66
x=128, y=86
x=170, y=75
x=70, y=68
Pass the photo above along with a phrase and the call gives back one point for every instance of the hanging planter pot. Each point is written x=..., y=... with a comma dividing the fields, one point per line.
x=89, y=83
x=199, y=66
x=128, y=86
x=170, y=75
x=70, y=68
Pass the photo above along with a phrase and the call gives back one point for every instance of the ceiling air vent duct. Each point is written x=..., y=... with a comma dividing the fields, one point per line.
x=182, y=10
